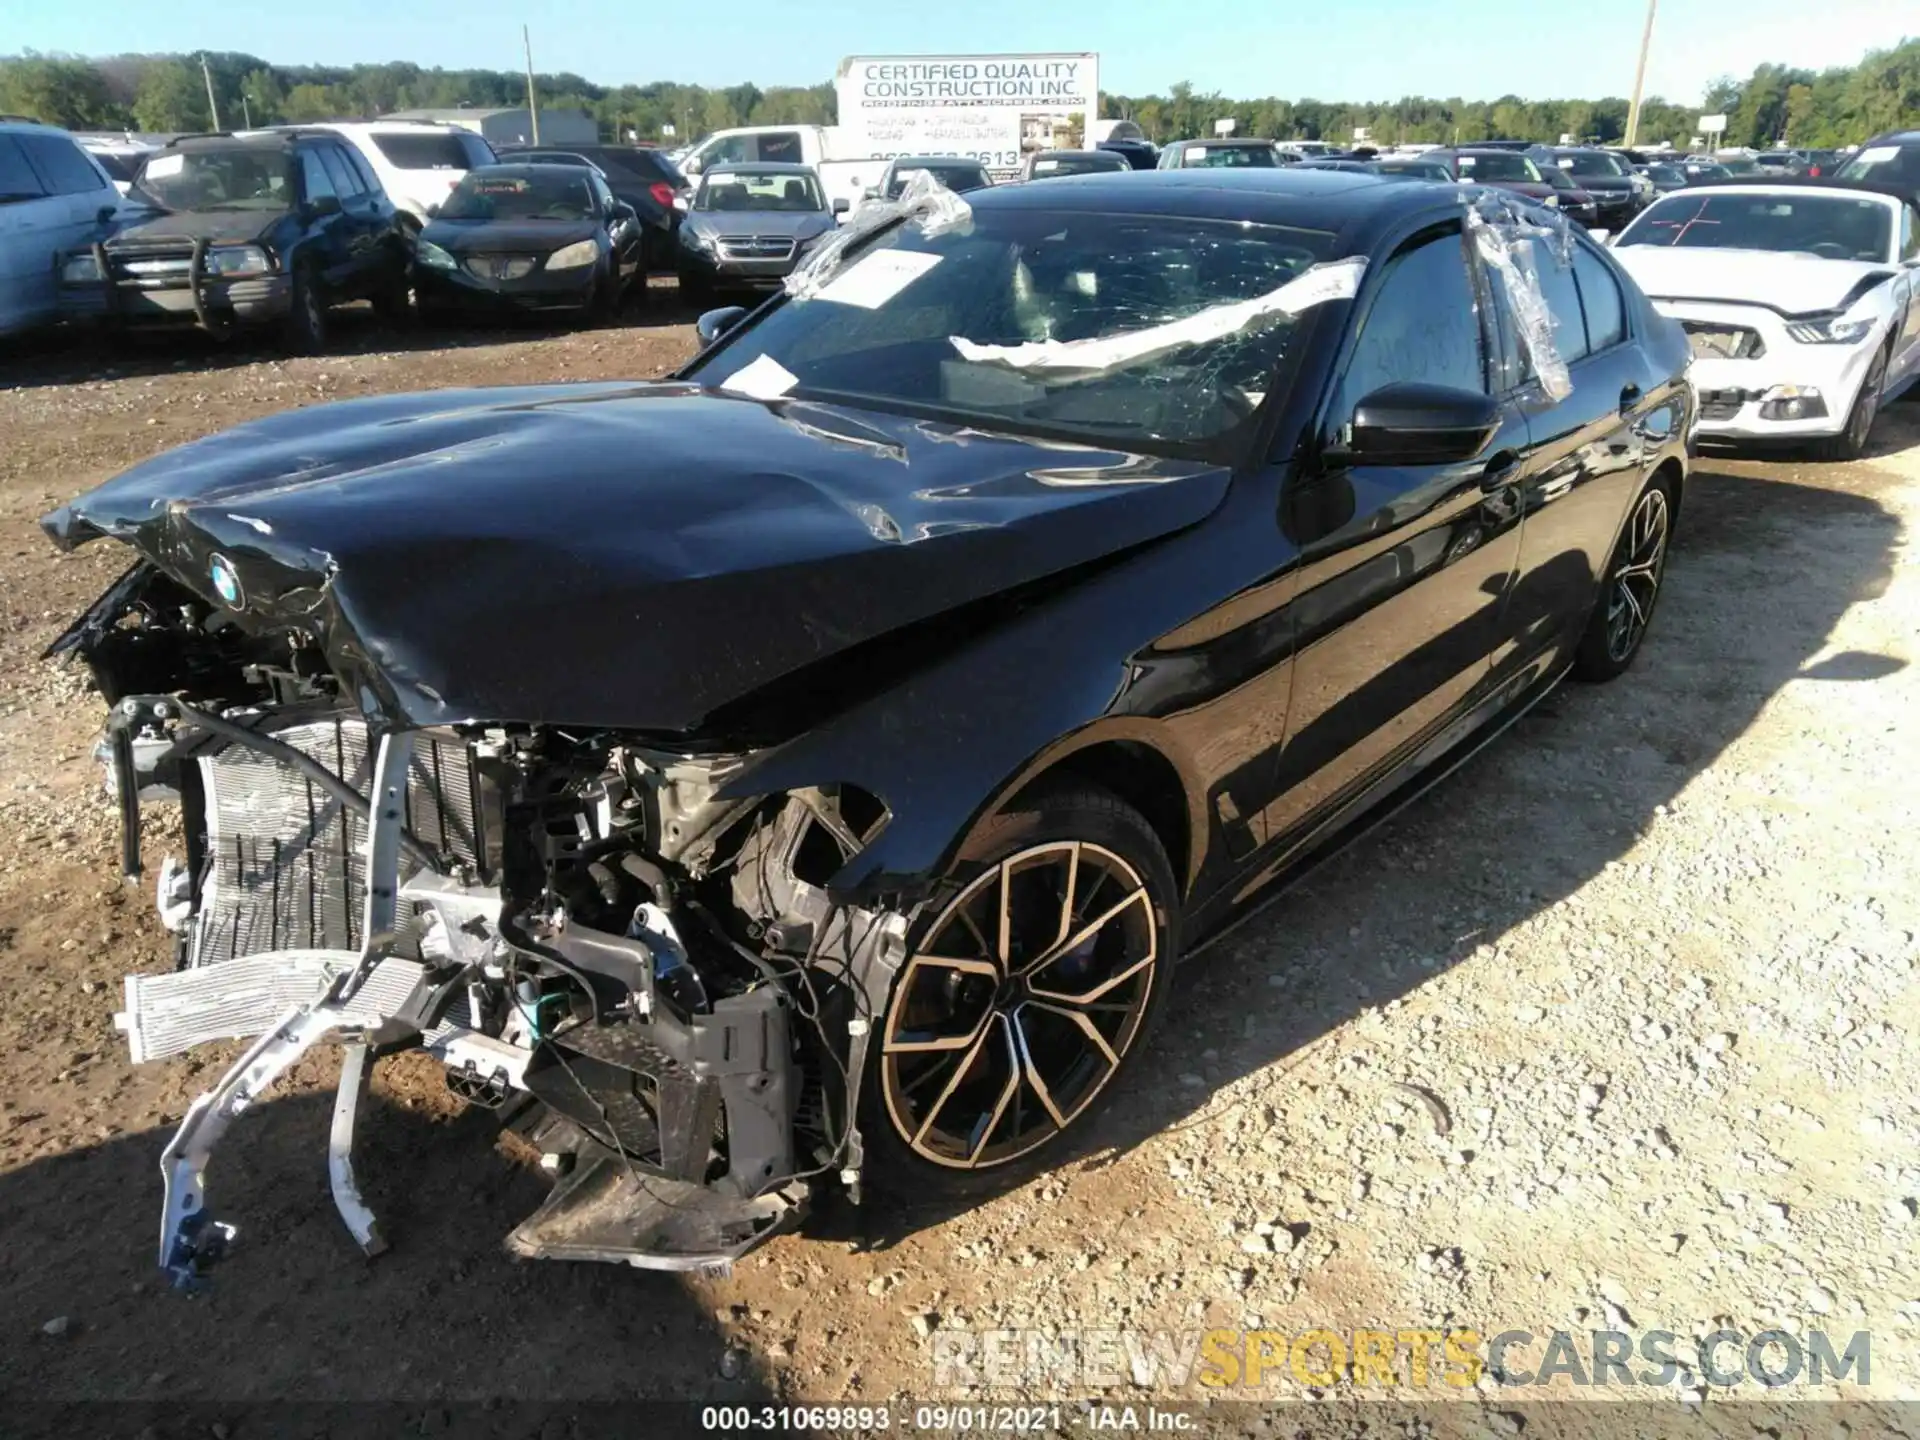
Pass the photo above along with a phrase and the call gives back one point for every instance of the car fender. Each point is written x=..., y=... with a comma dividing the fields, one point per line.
x=957, y=738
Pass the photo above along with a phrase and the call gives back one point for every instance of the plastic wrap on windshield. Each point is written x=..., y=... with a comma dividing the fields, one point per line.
x=1065, y=361
x=1514, y=243
x=925, y=202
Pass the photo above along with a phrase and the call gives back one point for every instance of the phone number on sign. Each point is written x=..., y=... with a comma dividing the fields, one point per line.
x=996, y=1419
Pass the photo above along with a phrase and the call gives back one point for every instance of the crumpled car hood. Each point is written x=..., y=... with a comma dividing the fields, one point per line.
x=619, y=555
x=1792, y=284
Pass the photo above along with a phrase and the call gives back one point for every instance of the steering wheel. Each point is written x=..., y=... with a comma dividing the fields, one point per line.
x=1831, y=250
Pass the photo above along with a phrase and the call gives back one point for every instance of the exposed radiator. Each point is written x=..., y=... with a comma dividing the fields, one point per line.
x=287, y=868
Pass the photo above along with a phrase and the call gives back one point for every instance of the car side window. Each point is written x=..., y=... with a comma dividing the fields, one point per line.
x=63, y=166
x=783, y=147
x=369, y=182
x=1909, y=233
x=1423, y=325
x=1600, y=298
x=1562, y=295
x=313, y=177
x=18, y=180
x=340, y=174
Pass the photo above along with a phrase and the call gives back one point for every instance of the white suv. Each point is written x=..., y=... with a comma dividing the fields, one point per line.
x=417, y=161
x=53, y=198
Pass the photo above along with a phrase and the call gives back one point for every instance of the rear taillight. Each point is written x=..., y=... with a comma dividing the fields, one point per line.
x=662, y=194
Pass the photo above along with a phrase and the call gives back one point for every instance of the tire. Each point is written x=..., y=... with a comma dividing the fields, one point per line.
x=306, y=328
x=1851, y=442
x=976, y=1079
x=393, y=301
x=1630, y=589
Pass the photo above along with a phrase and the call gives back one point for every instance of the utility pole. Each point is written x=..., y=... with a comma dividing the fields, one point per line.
x=213, y=105
x=533, y=105
x=246, y=110
x=1640, y=77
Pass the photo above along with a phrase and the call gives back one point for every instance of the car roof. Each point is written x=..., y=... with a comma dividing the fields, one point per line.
x=758, y=167
x=1072, y=154
x=281, y=139
x=1799, y=184
x=393, y=127
x=1344, y=201
x=527, y=167
x=1227, y=140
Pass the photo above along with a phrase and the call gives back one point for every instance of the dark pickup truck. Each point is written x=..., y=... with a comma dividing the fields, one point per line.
x=233, y=231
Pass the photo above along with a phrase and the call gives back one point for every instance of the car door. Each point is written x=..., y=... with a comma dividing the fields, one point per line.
x=359, y=222
x=1907, y=350
x=323, y=220
x=1589, y=450
x=30, y=221
x=1404, y=569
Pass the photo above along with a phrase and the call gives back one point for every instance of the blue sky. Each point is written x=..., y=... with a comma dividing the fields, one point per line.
x=1357, y=50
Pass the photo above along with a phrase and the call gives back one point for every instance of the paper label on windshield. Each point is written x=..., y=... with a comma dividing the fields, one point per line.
x=763, y=379
x=875, y=278
x=1878, y=154
x=1466, y=161
x=162, y=166
x=1566, y=163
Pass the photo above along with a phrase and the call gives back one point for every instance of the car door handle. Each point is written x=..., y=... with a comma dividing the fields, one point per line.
x=1502, y=470
x=1629, y=397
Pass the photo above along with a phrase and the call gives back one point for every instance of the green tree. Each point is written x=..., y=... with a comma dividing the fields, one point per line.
x=171, y=96
x=59, y=90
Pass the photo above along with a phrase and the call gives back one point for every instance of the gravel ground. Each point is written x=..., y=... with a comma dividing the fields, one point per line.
x=1615, y=1029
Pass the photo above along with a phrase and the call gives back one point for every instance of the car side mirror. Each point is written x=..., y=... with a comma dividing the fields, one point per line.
x=432, y=211
x=716, y=323
x=1414, y=423
x=841, y=206
x=324, y=205
x=623, y=211
x=105, y=213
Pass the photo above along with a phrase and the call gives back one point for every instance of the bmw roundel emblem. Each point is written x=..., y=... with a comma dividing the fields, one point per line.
x=226, y=581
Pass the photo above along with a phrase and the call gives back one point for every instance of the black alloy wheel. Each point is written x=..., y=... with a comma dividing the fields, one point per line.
x=1630, y=588
x=1024, y=995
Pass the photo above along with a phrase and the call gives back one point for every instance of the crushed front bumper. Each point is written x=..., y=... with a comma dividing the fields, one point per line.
x=1786, y=389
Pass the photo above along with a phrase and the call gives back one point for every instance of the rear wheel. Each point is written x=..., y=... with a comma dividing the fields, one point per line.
x=1024, y=996
x=1851, y=443
x=1630, y=588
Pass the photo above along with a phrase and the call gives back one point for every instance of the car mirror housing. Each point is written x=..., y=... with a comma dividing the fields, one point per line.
x=841, y=207
x=715, y=323
x=1413, y=423
x=324, y=205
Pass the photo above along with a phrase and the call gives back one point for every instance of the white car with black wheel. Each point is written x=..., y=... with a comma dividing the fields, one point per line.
x=1801, y=302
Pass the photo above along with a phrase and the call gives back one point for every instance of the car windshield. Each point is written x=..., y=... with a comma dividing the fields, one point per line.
x=1591, y=162
x=256, y=177
x=1831, y=226
x=1256, y=155
x=1738, y=166
x=1667, y=174
x=897, y=329
x=1419, y=169
x=1558, y=178
x=957, y=178
x=1076, y=164
x=545, y=192
x=1500, y=165
x=759, y=190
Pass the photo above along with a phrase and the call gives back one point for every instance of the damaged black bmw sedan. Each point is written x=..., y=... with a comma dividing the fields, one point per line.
x=805, y=771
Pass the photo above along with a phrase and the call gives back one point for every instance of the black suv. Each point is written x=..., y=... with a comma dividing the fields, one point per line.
x=644, y=179
x=1890, y=159
x=227, y=231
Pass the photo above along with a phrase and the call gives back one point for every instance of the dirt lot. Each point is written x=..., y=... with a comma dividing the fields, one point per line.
x=1654, y=954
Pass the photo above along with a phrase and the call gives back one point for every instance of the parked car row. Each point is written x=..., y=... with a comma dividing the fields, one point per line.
x=270, y=229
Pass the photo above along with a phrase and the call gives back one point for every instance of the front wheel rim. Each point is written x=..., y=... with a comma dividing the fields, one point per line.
x=1019, y=1005
x=1635, y=583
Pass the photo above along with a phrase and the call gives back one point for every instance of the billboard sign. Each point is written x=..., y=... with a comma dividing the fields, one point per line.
x=996, y=109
